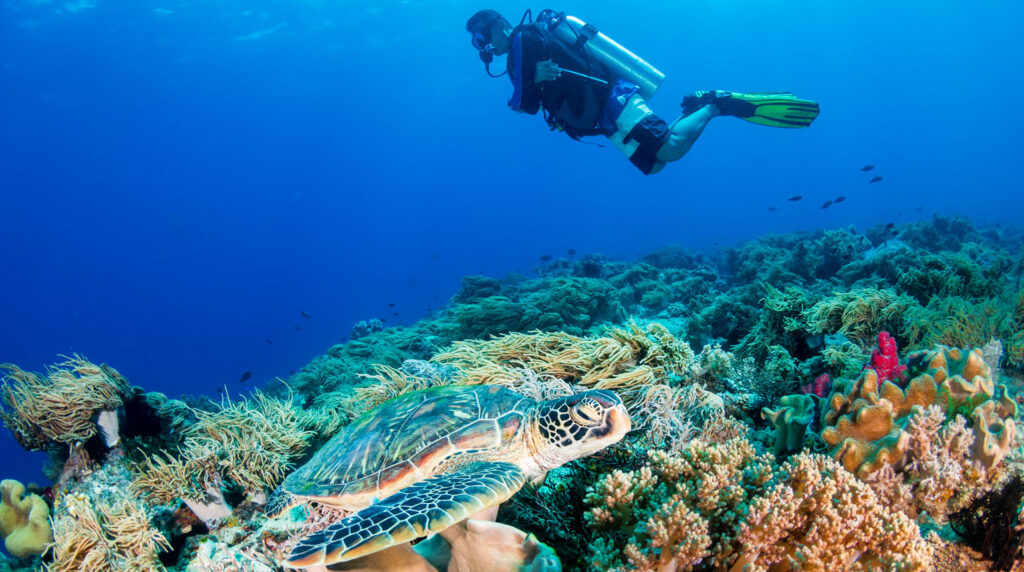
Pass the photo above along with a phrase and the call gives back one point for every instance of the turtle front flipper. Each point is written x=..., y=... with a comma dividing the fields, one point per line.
x=413, y=512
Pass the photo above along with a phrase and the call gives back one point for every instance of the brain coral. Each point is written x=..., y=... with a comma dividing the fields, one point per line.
x=865, y=420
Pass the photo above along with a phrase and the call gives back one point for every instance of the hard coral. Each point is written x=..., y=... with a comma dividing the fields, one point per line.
x=817, y=516
x=724, y=507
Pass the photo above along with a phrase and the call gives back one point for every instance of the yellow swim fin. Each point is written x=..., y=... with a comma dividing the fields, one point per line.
x=774, y=109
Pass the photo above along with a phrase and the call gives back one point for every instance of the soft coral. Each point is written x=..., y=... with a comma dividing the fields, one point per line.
x=886, y=361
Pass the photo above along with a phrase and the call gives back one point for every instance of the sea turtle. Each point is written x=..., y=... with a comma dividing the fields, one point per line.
x=426, y=460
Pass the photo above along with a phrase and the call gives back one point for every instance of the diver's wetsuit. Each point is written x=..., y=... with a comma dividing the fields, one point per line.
x=582, y=106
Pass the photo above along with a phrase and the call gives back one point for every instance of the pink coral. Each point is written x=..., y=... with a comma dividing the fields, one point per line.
x=821, y=386
x=885, y=360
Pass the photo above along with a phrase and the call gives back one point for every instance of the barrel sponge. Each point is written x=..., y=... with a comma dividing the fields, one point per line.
x=791, y=418
x=24, y=520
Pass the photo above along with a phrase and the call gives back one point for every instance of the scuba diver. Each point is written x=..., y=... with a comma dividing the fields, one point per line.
x=587, y=84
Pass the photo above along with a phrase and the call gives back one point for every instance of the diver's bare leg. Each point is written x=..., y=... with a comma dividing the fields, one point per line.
x=684, y=133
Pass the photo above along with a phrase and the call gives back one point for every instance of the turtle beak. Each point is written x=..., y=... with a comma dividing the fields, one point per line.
x=618, y=424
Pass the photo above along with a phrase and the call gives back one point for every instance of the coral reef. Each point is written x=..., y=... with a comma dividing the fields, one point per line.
x=721, y=470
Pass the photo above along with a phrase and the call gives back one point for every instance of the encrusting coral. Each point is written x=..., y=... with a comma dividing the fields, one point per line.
x=61, y=406
x=24, y=520
x=724, y=507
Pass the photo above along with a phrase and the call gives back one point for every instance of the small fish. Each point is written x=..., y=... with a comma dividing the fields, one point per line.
x=773, y=209
x=839, y=200
x=545, y=257
x=391, y=305
x=826, y=205
x=429, y=308
x=268, y=340
x=292, y=372
x=875, y=180
x=867, y=168
x=245, y=376
x=889, y=226
x=220, y=390
x=383, y=319
x=795, y=198
x=344, y=339
x=297, y=328
x=919, y=208
x=394, y=313
x=571, y=252
x=305, y=315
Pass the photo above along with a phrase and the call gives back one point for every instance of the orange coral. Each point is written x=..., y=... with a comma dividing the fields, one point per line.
x=865, y=422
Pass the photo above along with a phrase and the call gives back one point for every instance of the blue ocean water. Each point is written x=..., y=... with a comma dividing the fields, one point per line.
x=181, y=180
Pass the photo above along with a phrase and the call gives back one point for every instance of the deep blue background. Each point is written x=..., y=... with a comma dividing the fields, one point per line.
x=179, y=179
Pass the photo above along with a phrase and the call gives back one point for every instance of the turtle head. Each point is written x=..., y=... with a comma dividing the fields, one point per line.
x=579, y=425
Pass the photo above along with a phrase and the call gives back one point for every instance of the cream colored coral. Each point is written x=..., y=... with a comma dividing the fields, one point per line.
x=60, y=406
x=251, y=442
x=821, y=517
x=627, y=360
x=114, y=536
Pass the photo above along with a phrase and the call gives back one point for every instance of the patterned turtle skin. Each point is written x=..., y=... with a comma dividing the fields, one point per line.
x=424, y=461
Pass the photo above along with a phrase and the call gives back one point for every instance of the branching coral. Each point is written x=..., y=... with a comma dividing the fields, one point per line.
x=60, y=406
x=676, y=511
x=818, y=516
x=724, y=507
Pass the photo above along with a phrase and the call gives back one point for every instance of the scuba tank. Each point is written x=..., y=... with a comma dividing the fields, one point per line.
x=588, y=45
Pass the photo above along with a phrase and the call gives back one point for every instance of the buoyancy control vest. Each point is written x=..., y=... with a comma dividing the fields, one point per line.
x=590, y=47
x=594, y=62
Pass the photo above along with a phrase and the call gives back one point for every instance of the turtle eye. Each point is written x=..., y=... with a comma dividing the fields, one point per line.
x=585, y=413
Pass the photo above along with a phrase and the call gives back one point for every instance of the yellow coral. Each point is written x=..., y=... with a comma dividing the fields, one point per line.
x=60, y=406
x=24, y=520
x=627, y=361
x=251, y=442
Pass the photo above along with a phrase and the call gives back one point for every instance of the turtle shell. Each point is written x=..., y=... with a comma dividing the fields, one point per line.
x=410, y=438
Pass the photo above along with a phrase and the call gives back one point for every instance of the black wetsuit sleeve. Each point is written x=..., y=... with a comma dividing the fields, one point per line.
x=527, y=50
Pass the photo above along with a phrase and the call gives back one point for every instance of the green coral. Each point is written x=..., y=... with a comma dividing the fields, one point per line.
x=790, y=418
